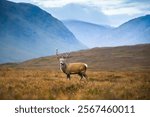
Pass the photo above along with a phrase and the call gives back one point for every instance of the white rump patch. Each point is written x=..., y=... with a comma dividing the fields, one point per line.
x=86, y=65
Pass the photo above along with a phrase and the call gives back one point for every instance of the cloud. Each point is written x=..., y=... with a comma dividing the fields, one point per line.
x=120, y=7
x=108, y=7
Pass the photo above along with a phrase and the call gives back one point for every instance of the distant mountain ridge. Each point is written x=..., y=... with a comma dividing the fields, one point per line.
x=87, y=33
x=79, y=12
x=29, y=32
x=135, y=31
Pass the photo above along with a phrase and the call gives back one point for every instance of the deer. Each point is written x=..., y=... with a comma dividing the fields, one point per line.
x=71, y=68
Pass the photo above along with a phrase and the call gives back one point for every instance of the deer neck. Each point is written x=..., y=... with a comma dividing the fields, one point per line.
x=63, y=68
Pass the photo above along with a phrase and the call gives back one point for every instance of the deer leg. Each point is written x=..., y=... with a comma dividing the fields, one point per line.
x=68, y=76
x=85, y=76
x=81, y=75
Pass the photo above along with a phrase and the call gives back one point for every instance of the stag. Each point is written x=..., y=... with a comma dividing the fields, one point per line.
x=71, y=68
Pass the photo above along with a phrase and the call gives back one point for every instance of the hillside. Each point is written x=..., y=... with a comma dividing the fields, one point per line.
x=88, y=33
x=115, y=58
x=135, y=31
x=113, y=73
x=28, y=32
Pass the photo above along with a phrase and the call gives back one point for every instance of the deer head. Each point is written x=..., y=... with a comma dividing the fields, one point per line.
x=62, y=57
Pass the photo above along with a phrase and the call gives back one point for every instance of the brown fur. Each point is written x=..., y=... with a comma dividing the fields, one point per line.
x=74, y=68
x=71, y=68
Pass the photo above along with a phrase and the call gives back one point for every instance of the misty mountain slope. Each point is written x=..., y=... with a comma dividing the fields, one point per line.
x=135, y=31
x=128, y=58
x=28, y=32
x=79, y=12
x=88, y=33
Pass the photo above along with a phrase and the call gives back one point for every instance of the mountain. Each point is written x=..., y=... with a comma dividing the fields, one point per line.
x=128, y=58
x=90, y=13
x=80, y=12
x=88, y=33
x=135, y=31
x=27, y=31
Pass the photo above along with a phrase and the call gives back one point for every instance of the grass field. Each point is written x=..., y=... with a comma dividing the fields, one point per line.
x=47, y=84
x=114, y=73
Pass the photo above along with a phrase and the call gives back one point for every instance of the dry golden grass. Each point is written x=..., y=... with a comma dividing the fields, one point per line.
x=114, y=73
x=16, y=83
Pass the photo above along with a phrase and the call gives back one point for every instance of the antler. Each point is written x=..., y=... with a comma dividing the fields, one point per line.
x=58, y=56
x=65, y=55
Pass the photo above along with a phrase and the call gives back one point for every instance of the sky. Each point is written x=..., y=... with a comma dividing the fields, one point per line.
x=115, y=12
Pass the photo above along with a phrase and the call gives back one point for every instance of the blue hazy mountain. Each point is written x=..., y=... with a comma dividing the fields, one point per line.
x=79, y=12
x=26, y=32
x=89, y=13
x=135, y=31
x=88, y=33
